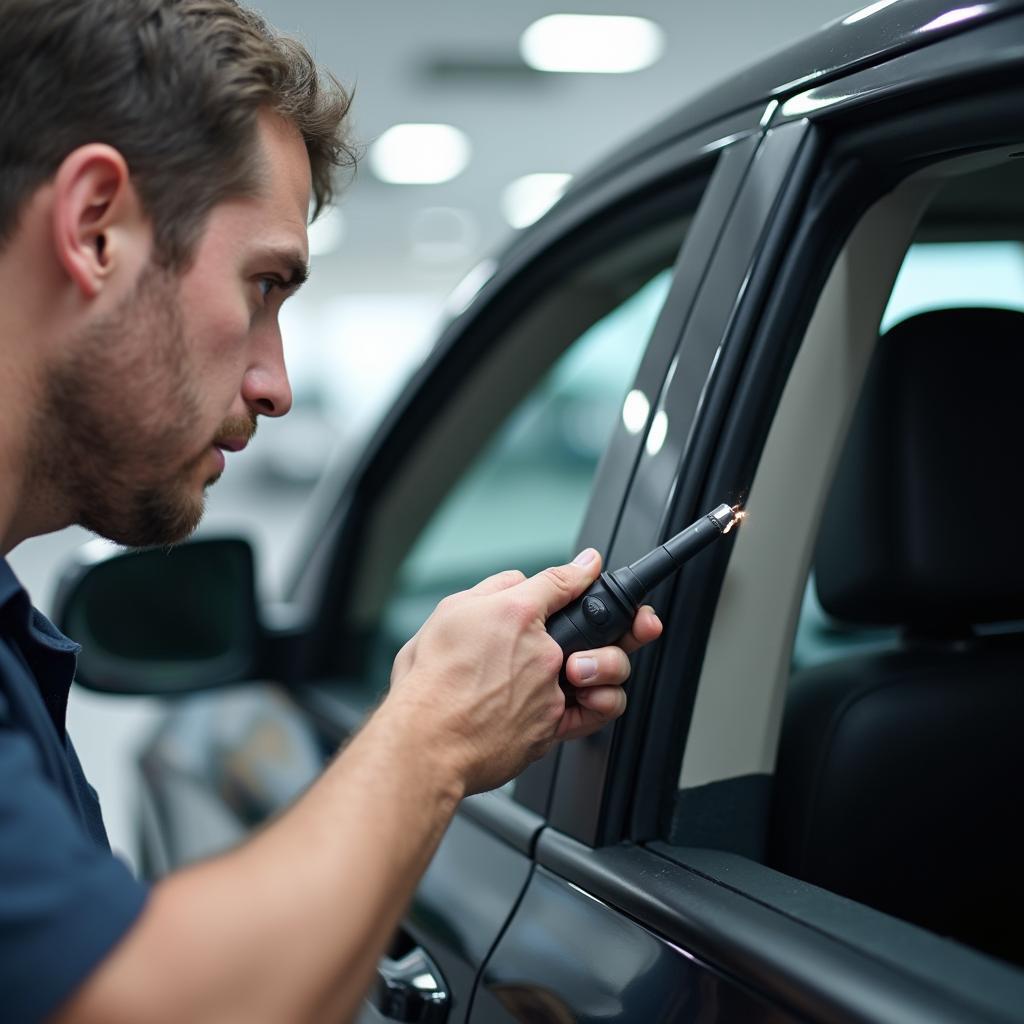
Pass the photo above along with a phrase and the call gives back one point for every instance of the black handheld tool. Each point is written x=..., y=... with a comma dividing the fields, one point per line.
x=606, y=611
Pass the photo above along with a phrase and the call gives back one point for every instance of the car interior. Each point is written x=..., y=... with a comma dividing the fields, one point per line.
x=887, y=702
x=898, y=771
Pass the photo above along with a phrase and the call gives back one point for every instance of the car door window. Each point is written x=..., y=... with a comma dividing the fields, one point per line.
x=948, y=275
x=962, y=268
x=900, y=685
x=922, y=632
x=565, y=365
x=521, y=502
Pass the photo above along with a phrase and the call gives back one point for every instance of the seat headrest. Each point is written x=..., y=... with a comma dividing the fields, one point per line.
x=920, y=528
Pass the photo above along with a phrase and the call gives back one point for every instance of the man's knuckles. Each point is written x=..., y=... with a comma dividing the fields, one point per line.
x=520, y=609
x=498, y=582
x=552, y=658
x=564, y=581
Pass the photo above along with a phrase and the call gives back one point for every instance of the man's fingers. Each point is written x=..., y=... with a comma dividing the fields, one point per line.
x=554, y=588
x=598, y=677
x=608, y=666
x=646, y=627
x=597, y=707
x=607, y=701
x=498, y=582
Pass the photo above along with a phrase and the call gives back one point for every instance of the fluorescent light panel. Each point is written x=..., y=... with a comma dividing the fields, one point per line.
x=592, y=43
x=420, y=154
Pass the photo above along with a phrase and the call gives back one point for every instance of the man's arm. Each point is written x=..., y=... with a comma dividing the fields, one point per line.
x=291, y=925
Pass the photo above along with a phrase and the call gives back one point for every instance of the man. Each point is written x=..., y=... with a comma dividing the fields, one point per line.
x=156, y=163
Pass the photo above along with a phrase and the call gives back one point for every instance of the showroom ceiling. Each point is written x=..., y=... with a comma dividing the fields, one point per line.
x=457, y=62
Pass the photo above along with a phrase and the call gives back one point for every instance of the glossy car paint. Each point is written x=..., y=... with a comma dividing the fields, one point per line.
x=463, y=902
x=554, y=929
x=570, y=957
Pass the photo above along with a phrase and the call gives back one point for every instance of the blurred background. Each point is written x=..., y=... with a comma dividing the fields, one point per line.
x=472, y=118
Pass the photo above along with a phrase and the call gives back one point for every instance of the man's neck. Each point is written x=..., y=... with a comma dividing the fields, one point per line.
x=33, y=326
x=28, y=506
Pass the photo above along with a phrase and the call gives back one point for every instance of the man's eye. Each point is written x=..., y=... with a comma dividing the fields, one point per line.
x=267, y=285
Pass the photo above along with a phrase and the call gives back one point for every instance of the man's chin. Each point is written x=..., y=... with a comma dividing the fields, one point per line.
x=152, y=520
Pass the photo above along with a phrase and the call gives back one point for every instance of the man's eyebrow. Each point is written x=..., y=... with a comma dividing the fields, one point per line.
x=299, y=270
x=292, y=262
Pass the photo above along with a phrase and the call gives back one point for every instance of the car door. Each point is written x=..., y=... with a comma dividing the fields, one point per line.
x=605, y=309
x=490, y=459
x=651, y=899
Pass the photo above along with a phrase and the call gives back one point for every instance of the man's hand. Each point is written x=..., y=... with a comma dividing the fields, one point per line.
x=482, y=673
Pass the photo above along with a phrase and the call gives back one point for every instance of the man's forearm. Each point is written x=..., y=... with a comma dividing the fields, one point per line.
x=290, y=925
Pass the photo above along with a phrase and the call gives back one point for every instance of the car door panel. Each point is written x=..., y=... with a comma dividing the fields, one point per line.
x=569, y=956
x=458, y=924
x=764, y=959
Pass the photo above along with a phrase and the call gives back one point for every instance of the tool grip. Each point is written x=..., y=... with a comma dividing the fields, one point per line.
x=596, y=619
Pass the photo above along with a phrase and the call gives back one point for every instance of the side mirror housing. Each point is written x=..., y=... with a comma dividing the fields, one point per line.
x=164, y=621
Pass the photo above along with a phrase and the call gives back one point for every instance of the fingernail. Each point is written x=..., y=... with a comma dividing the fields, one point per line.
x=585, y=557
x=586, y=668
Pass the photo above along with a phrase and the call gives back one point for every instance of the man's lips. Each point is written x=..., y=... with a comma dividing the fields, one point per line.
x=231, y=444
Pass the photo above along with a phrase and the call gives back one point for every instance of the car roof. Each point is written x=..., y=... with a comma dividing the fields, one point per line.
x=867, y=36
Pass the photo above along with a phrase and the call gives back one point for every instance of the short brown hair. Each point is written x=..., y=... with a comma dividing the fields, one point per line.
x=175, y=86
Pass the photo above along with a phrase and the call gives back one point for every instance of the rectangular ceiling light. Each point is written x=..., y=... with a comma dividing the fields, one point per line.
x=592, y=43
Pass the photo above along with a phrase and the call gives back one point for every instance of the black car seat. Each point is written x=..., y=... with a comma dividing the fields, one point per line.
x=900, y=776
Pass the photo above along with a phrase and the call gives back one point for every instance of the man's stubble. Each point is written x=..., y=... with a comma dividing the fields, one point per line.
x=117, y=438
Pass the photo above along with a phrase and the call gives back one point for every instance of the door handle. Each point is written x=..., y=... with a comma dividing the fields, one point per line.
x=411, y=990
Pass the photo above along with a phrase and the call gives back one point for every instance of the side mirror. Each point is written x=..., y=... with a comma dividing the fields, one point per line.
x=164, y=621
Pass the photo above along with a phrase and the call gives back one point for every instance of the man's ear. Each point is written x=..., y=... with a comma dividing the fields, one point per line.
x=96, y=216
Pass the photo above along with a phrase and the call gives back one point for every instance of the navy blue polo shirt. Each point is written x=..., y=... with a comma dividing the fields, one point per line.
x=65, y=900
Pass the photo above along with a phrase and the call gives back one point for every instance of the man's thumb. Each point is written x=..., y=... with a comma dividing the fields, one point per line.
x=554, y=588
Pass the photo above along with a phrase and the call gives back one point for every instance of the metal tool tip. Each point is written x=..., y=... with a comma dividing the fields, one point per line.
x=738, y=515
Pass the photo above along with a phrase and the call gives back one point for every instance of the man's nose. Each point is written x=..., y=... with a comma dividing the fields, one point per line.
x=265, y=387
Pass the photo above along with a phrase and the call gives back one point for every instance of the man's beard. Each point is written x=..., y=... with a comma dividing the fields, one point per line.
x=116, y=438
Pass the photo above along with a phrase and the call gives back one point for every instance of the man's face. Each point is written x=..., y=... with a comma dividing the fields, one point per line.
x=149, y=396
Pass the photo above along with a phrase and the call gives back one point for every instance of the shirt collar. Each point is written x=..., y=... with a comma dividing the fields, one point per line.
x=9, y=584
x=36, y=625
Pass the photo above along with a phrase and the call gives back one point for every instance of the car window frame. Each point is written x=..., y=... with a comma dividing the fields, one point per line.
x=689, y=165
x=583, y=803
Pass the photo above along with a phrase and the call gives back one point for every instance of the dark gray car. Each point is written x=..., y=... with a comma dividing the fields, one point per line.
x=803, y=293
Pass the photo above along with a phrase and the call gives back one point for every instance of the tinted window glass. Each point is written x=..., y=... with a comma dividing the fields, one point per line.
x=519, y=499
x=985, y=272
x=947, y=275
x=522, y=501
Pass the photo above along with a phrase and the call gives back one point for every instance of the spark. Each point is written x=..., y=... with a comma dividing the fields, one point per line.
x=739, y=515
